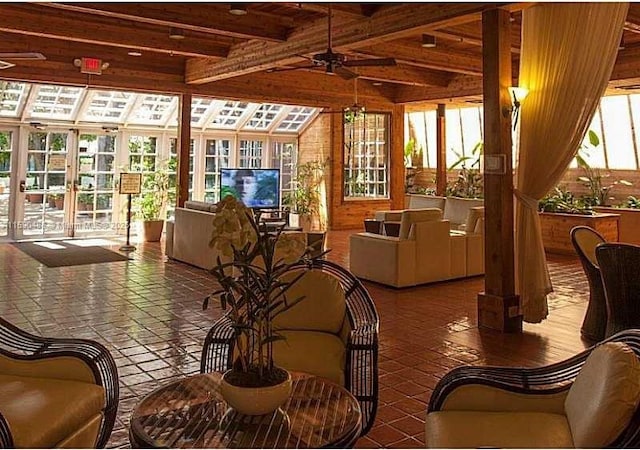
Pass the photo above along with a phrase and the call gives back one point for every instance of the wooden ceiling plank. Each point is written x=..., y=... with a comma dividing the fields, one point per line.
x=402, y=74
x=388, y=24
x=25, y=20
x=215, y=19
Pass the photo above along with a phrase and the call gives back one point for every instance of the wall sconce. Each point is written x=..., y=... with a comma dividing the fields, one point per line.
x=517, y=95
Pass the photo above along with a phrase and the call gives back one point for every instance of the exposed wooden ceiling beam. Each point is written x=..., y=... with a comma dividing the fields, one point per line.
x=403, y=74
x=214, y=19
x=460, y=86
x=391, y=23
x=352, y=10
x=30, y=20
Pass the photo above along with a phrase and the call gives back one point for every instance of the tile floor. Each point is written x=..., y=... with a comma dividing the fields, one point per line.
x=149, y=313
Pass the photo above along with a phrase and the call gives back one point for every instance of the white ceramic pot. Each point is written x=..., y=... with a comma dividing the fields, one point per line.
x=255, y=401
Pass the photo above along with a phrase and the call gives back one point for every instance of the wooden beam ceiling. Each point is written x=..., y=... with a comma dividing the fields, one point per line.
x=214, y=19
x=391, y=23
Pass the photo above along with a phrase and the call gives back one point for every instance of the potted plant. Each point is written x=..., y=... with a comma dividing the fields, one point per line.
x=470, y=183
x=151, y=206
x=253, y=288
x=304, y=199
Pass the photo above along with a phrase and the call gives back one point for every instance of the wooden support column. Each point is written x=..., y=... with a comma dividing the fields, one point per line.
x=441, y=151
x=184, y=143
x=498, y=305
x=396, y=158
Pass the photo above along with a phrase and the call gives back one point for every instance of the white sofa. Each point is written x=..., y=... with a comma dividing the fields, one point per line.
x=455, y=209
x=425, y=251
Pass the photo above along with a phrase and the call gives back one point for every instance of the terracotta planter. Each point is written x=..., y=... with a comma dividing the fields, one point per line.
x=35, y=198
x=59, y=203
x=152, y=230
x=255, y=401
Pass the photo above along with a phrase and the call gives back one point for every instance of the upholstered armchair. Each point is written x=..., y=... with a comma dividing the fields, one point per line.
x=59, y=393
x=332, y=332
x=425, y=251
x=588, y=401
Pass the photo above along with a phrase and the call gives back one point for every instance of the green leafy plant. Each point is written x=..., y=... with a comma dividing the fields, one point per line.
x=469, y=183
x=599, y=191
x=304, y=199
x=563, y=201
x=253, y=287
x=152, y=203
x=631, y=202
x=412, y=154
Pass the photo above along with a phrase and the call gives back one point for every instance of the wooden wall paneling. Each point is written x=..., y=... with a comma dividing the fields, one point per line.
x=498, y=305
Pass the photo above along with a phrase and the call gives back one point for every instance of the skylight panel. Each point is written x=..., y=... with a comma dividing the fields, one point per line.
x=12, y=96
x=108, y=106
x=200, y=110
x=229, y=115
x=263, y=117
x=153, y=109
x=56, y=102
x=297, y=117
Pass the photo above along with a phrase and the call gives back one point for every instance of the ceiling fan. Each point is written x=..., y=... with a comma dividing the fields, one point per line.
x=6, y=57
x=337, y=63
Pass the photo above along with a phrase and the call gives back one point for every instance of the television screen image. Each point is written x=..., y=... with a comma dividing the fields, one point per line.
x=256, y=188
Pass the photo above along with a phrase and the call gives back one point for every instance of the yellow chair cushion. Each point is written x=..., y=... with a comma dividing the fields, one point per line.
x=477, y=429
x=322, y=309
x=42, y=412
x=314, y=352
x=604, y=396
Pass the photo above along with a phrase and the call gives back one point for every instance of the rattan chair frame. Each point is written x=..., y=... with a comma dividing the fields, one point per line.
x=539, y=381
x=620, y=269
x=361, y=368
x=18, y=344
x=594, y=325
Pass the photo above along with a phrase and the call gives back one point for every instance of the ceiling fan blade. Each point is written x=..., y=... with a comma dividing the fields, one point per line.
x=22, y=56
x=345, y=73
x=370, y=62
x=286, y=69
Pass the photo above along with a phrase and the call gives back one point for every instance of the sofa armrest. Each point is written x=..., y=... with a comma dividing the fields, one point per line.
x=384, y=259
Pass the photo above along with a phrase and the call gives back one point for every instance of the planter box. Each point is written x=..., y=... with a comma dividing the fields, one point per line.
x=629, y=225
x=556, y=229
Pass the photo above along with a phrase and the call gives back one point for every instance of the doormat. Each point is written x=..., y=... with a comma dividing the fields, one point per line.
x=58, y=254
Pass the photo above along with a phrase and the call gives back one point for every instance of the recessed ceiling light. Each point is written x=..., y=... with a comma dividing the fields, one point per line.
x=237, y=9
x=428, y=41
x=176, y=33
x=377, y=83
x=134, y=53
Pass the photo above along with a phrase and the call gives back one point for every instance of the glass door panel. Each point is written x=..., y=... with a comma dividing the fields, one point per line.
x=173, y=177
x=44, y=202
x=96, y=174
x=5, y=178
x=217, y=155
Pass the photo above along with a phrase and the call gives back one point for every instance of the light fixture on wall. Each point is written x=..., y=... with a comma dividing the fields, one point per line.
x=517, y=95
x=428, y=41
x=238, y=9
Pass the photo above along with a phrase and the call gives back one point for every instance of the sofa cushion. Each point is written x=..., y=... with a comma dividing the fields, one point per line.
x=393, y=216
x=473, y=216
x=455, y=209
x=411, y=216
x=200, y=206
x=322, y=309
x=41, y=412
x=604, y=395
x=419, y=201
x=315, y=352
x=478, y=429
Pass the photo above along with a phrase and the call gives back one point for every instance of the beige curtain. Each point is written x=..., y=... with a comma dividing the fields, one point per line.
x=567, y=54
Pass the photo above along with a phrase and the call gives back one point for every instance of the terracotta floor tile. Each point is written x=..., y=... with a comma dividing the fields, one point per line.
x=148, y=312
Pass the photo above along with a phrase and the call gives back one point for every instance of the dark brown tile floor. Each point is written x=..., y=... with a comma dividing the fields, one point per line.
x=149, y=313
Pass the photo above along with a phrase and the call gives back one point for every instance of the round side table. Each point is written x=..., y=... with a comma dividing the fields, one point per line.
x=190, y=413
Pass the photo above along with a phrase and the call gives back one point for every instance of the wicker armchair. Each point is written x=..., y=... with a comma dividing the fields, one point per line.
x=361, y=368
x=49, y=355
x=620, y=268
x=594, y=325
x=541, y=383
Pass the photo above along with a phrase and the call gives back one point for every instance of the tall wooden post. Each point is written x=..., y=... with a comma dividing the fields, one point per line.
x=396, y=158
x=498, y=305
x=441, y=151
x=184, y=143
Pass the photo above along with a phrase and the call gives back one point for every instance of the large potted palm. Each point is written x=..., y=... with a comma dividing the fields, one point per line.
x=150, y=208
x=304, y=199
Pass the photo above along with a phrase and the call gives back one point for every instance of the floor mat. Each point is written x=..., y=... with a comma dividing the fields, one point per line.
x=58, y=254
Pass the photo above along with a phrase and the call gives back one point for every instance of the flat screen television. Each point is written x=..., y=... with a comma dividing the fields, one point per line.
x=256, y=188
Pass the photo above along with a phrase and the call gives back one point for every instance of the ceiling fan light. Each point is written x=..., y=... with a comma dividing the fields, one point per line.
x=428, y=41
x=237, y=9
